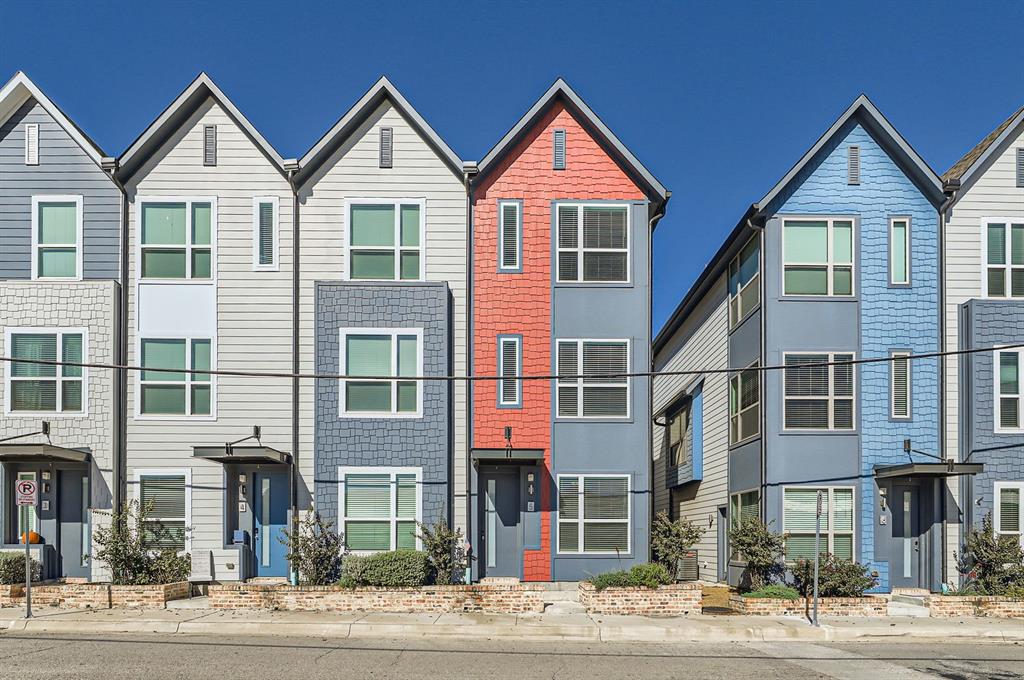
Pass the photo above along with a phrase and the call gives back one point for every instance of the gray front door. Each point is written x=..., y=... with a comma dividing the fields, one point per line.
x=73, y=499
x=908, y=550
x=501, y=553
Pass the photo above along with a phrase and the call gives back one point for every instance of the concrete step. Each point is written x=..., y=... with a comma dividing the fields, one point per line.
x=909, y=599
x=190, y=603
x=561, y=596
x=904, y=609
x=564, y=607
x=555, y=586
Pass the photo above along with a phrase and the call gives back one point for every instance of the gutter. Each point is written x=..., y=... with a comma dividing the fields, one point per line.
x=952, y=191
x=118, y=467
x=291, y=167
x=652, y=225
x=469, y=171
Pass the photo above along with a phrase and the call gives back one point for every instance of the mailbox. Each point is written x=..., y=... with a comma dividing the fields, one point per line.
x=240, y=537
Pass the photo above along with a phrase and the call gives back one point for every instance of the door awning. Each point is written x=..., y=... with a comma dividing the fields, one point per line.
x=242, y=454
x=927, y=470
x=41, y=452
x=508, y=455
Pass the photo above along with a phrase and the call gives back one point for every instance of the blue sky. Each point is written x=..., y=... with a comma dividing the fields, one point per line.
x=718, y=99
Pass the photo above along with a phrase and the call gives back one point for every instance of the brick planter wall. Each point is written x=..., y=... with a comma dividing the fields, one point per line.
x=953, y=606
x=94, y=595
x=496, y=599
x=148, y=597
x=827, y=606
x=678, y=599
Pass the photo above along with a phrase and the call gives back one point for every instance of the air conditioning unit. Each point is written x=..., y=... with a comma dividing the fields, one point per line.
x=687, y=568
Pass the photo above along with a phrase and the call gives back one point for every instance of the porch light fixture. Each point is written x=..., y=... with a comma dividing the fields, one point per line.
x=508, y=441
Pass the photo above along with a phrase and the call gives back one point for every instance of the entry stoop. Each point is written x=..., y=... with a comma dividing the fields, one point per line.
x=909, y=602
x=562, y=597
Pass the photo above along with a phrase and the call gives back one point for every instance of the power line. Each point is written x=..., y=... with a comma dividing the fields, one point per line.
x=470, y=378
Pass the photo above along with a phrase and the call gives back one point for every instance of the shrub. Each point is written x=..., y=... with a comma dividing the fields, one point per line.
x=762, y=549
x=992, y=563
x=640, y=576
x=170, y=567
x=671, y=540
x=395, y=569
x=446, y=552
x=775, y=591
x=316, y=550
x=12, y=568
x=836, y=577
x=121, y=547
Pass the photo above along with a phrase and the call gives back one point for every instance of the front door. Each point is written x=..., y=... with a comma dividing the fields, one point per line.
x=907, y=540
x=73, y=532
x=270, y=508
x=501, y=550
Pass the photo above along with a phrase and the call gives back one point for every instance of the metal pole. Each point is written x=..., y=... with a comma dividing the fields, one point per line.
x=817, y=556
x=28, y=563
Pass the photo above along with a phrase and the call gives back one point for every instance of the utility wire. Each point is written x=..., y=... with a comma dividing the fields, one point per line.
x=470, y=378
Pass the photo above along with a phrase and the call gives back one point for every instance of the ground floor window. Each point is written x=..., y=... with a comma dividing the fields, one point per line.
x=165, y=497
x=743, y=506
x=799, y=516
x=593, y=514
x=379, y=508
x=1009, y=498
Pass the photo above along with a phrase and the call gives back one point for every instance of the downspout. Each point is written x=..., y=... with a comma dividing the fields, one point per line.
x=469, y=170
x=651, y=224
x=762, y=360
x=951, y=189
x=291, y=167
x=118, y=465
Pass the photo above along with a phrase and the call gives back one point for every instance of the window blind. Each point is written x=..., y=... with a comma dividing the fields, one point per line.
x=266, y=233
x=1009, y=510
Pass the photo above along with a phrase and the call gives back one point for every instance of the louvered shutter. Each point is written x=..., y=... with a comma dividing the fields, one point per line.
x=601, y=359
x=900, y=386
x=209, y=145
x=568, y=388
x=1009, y=510
x=1020, y=167
x=266, y=233
x=853, y=165
x=559, y=150
x=510, y=236
x=386, y=147
x=31, y=144
x=509, y=369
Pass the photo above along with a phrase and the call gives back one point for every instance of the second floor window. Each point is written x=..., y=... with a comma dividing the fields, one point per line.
x=819, y=396
x=593, y=243
x=745, y=405
x=44, y=388
x=57, y=237
x=817, y=257
x=596, y=394
x=1004, y=260
x=680, y=435
x=385, y=241
x=176, y=240
x=744, y=282
x=375, y=361
x=1008, y=390
x=175, y=392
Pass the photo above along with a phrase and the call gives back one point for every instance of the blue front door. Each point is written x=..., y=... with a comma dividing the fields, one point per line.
x=271, y=510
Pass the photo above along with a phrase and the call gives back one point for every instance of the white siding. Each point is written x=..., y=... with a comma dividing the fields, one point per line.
x=701, y=343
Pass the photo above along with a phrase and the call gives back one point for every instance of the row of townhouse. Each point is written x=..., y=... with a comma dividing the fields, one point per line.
x=859, y=252
x=220, y=272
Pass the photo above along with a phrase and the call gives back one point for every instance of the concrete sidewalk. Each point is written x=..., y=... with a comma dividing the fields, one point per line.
x=534, y=627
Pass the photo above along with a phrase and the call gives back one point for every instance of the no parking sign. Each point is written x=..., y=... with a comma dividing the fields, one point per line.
x=27, y=492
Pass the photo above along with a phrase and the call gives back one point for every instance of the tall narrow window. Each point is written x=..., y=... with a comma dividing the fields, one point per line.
x=1009, y=502
x=1008, y=391
x=509, y=366
x=853, y=164
x=599, y=394
x=593, y=514
x=819, y=396
x=558, y=143
x=1004, y=261
x=799, y=517
x=509, y=235
x=209, y=145
x=379, y=508
x=899, y=379
x=174, y=391
x=385, y=241
x=744, y=282
x=376, y=360
x=387, y=158
x=166, y=497
x=680, y=435
x=899, y=251
x=265, y=233
x=176, y=240
x=31, y=143
x=57, y=237
x=817, y=257
x=593, y=243
x=743, y=507
x=1020, y=167
x=745, y=405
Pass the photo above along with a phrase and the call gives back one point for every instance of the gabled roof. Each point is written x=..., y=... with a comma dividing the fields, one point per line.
x=161, y=129
x=20, y=89
x=976, y=157
x=560, y=91
x=869, y=116
x=382, y=90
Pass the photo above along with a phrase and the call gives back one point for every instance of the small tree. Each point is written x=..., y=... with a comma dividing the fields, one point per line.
x=316, y=550
x=991, y=563
x=761, y=548
x=121, y=546
x=446, y=550
x=671, y=540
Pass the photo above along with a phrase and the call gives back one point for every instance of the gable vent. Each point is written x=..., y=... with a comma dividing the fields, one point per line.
x=509, y=235
x=266, y=233
x=853, y=165
x=31, y=144
x=210, y=145
x=559, y=150
x=1020, y=167
x=386, y=147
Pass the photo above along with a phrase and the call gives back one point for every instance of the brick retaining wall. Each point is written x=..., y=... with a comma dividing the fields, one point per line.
x=827, y=606
x=953, y=606
x=678, y=599
x=95, y=595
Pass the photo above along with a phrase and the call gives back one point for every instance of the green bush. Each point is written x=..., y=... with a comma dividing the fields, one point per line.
x=446, y=551
x=316, y=550
x=121, y=547
x=640, y=576
x=395, y=569
x=170, y=567
x=992, y=564
x=762, y=549
x=12, y=568
x=671, y=540
x=775, y=591
x=836, y=577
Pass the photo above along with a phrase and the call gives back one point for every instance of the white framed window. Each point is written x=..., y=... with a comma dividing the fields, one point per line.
x=173, y=392
x=376, y=360
x=176, y=239
x=899, y=385
x=385, y=239
x=1009, y=501
x=594, y=514
x=1003, y=267
x=799, y=511
x=510, y=235
x=379, y=508
x=33, y=516
x=743, y=506
x=31, y=143
x=745, y=404
x=43, y=389
x=818, y=256
x=584, y=388
x=899, y=251
x=593, y=242
x=1008, y=391
x=510, y=388
x=57, y=237
x=819, y=397
x=745, y=282
x=265, y=233
x=168, y=495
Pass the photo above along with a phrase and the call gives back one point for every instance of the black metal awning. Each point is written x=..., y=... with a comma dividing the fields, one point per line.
x=927, y=470
x=41, y=452
x=507, y=455
x=242, y=454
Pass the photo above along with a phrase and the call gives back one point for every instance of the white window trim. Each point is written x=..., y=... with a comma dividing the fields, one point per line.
x=397, y=248
x=830, y=357
x=997, y=394
x=420, y=384
x=1007, y=276
x=831, y=263
x=140, y=201
x=580, y=384
x=188, y=338
x=139, y=473
x=738, y=376
x=579, y=249
x=518, y=266
x=827, y=535
x=907, y=259
x=580, y=521
x=29, y=149
x=8, y=377
x=996, y=513
x=79, y=219
x=733, y=520
x=275, y=264
x=393, y=472
x=892, y=386
x=517, y=340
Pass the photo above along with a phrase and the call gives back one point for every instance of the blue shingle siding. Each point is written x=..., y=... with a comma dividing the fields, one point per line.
x=384, y=442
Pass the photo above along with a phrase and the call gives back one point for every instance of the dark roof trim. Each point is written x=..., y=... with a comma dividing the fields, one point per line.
x=241, y=454
x=354, y=117
x=965, y=168
x=678, y=399
x=560, y=90
x=30, y=452
x=928, y=470
x=499, y=455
